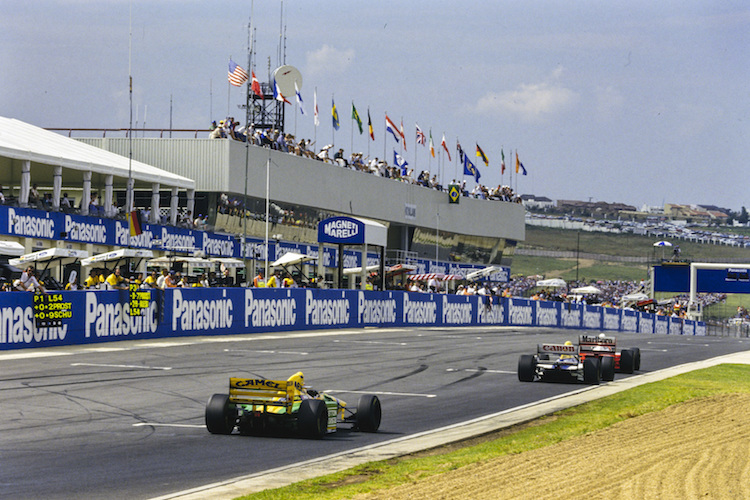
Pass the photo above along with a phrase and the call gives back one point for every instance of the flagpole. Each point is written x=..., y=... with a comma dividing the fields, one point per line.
x=415, y=150
x=243, y=246
x=384, y=134
x=333, y=129
x=351, y=143
x=315, y=116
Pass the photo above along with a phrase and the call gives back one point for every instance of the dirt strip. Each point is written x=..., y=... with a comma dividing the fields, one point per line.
x=696, y=449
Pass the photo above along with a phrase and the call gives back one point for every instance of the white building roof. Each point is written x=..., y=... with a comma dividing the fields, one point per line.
x=22, y=141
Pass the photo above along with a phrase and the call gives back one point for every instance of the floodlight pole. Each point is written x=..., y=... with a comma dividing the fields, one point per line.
x=578, y=249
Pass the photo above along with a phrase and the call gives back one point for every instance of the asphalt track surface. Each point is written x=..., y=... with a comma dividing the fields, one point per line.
x=126, y=419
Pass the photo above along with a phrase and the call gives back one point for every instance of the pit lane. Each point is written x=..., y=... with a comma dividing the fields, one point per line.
x=125, y=420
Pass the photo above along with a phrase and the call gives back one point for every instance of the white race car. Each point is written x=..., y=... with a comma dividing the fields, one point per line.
x=564, y=363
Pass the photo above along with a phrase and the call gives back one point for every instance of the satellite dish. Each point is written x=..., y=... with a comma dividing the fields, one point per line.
x=285, y=77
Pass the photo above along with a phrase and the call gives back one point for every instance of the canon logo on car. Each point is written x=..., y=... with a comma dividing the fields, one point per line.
x=554, y=347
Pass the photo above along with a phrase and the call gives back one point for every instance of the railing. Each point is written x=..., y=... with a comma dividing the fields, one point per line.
x=135, y=131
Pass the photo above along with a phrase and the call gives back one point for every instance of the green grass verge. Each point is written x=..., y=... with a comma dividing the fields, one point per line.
x=548, y=430
x=528, y=265
x=624, y=244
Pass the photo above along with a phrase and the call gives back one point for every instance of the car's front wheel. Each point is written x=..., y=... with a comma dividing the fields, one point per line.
x=592, y=370
x=368, y=413
x=526, y=368
x=627, y=361
x=608, y=368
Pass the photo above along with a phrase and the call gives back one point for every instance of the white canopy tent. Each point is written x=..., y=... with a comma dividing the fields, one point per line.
x=48, y=257
x=48, y=254
x=586, y=290
x=11, y=248
x=28, y=151
x=481, y=273
x=123, y=253
x=552, y=283
x=291, y=259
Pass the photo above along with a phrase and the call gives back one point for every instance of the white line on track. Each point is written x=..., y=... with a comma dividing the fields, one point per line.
x=384, y=393
x=266, y=352
x=478, y=370
x=676, y=343
x=370, y=342
x=153, y=424
x=138, y=367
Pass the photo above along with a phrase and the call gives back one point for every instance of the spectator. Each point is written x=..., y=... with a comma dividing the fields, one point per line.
x=34, y=198
x=92, y=282
x=151, y=281
x=171, y=280
x=28, y=281
x=115, y=281
x=65, y=203
x=259, y=281
x=273, y=281
x=161, y=281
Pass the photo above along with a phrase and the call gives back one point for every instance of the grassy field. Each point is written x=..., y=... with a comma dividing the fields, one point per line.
x=528, y=265
x=624, y=244
x=552, y=429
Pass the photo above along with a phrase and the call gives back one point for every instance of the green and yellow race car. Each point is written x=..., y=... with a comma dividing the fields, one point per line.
x=259, y=405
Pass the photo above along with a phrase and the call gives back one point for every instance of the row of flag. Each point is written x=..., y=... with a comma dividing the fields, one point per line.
x=238, y=76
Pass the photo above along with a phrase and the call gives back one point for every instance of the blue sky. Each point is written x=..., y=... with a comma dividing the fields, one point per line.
x=636, y=102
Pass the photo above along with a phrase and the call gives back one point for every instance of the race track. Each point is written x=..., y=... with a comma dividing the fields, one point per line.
x=125, y=420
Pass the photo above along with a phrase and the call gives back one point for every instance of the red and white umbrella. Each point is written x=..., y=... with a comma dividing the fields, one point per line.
x=437, y=276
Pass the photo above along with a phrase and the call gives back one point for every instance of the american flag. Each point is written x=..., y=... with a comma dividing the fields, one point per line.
x=421, y=139
x=237, y=76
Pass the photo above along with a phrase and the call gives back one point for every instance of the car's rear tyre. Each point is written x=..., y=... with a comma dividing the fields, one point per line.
x=592, y=370
x=368, y=413
x=608, y=368
x=526, y=368
x=627, y=361
x=636, y=358
x=312, y=419
x=220, y=417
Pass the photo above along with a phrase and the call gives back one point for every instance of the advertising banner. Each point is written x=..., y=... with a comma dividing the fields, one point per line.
x=84, y=317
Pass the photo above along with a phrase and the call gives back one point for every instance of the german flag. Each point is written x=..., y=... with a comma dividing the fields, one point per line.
x=480, y=154
x=134, y=223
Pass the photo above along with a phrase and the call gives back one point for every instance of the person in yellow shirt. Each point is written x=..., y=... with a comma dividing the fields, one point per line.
x=288, y=281
x=273, y=281
x=116, y=281
x=93, y=280
x=150, y=281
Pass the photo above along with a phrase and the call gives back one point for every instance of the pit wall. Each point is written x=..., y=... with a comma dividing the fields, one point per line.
x=103, y=316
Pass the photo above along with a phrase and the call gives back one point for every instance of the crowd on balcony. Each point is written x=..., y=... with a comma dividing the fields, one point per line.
x=287, y=143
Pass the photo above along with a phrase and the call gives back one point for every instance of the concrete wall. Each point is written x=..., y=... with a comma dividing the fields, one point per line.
x=219, y=165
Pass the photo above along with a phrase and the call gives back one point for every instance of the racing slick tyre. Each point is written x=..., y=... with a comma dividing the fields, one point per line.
x=220, y=418
x=368, y=413
x=636, y=358
x=627, y=361
x=592, y=370
x=526, y=368
x=608, y=368
x=312, y=419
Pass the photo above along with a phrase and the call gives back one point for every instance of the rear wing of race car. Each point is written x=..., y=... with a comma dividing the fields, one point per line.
x=264, y=392
x=597, y=344
x=556, y=349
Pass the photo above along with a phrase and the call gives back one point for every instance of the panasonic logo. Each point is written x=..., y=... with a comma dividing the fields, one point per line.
x=33, y=227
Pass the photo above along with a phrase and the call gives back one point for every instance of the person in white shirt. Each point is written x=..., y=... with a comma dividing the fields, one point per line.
x=28, y=281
